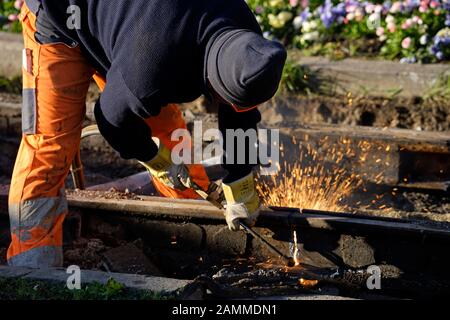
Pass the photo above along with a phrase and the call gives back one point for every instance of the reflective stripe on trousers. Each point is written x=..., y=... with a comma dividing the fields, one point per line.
x=40, y=257
x=36, y=232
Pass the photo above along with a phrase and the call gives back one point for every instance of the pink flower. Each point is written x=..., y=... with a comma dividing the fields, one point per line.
x=380, y=31
x=406, y=43
x=305, y=3
x=370, y=8
x=350, y=8
x=12, y=17
x=407, y=24
x=417, y=20
x=423, y=8
x=378, y=8
x=293, y=3
x=359, y=14
x=396, y=7
x=18, y=4
x=434, y=4
x=391, y=27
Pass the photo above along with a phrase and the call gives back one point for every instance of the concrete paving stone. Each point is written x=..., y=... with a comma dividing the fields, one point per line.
x=10, y=61
x=10, y=272
x=132, y=281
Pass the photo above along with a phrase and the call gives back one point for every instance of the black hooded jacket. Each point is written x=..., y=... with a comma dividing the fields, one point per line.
x=152, y=53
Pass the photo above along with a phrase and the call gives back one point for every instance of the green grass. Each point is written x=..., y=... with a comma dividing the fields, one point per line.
x=439, y=92
x=13, y=85
x=297, y=79
x=24, y=289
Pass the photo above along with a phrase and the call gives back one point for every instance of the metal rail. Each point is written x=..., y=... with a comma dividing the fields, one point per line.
x=200, y=210
x=76, y=169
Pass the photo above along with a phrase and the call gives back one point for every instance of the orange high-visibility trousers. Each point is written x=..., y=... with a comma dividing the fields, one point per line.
x=56, y=79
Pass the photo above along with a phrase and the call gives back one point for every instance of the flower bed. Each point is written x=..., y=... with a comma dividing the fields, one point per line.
x=412, y=30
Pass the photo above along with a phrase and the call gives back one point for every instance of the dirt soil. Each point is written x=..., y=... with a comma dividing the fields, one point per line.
x=404, y=113
x=407, y=113
x=111, y=194
x=86, y=253
x=397, y=112
x=10, y=98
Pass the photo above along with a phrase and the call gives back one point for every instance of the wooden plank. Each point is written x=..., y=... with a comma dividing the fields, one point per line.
x=374, y=77
x=151, y=206
x=407, y=140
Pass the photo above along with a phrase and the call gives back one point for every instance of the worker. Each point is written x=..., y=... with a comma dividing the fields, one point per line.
x=147, y=56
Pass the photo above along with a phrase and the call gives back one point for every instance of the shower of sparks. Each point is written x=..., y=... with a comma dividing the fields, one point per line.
x=317, y=177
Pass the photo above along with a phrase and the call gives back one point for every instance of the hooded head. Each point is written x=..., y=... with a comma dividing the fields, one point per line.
x=244, y=68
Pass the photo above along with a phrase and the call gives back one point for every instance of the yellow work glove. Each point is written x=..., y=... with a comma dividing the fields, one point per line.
x=242, y=202
x=175, y=176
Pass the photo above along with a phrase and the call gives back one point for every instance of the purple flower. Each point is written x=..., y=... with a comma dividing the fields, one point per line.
x=447, y=20
x=386, y=6
x=446, y=5
x=440, y=43
x=326, y=15
x=259, y=9
x=330, y=14
x=440, y=55
x=339, y=10
x=305, y=15
x=434, y=50
x=410, y=5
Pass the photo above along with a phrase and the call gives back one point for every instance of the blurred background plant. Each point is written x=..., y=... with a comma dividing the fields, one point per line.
x=13, y=85
x=439, y=92
x=9, y=11
x=297, y=79
x=410, y=30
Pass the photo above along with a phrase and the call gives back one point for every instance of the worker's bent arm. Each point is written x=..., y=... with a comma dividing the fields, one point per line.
x=125, y=131
x=230, y=119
